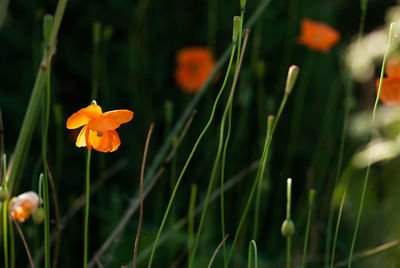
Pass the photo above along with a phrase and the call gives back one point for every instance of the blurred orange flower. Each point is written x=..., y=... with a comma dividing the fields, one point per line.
x=23, y=205
x=390, y=91
x=317, y=36
x=99, y=128
x=195, y=64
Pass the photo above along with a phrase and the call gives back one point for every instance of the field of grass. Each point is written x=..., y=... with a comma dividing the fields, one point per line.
x=258, y=133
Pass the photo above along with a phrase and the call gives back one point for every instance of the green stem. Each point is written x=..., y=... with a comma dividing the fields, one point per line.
x=32, y=111
x=253, y=245
x=337, y=226
x=369, y=165
x=288, y=255
x=217, y=158
x=5, y=213
x=192, y=204
x=310, y=203
x=190, y=158
x=343, y=136
x=86, y=230
x=259, y=174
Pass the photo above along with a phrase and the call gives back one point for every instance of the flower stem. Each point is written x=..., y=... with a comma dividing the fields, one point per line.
x=5, y=218
x=349, y=85
x=337, y=227
x=310, y=204
x=391, y=36
x=85, y=245
x=190, y=158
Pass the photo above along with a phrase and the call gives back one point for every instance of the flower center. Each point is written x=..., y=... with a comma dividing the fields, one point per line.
x=99, y=134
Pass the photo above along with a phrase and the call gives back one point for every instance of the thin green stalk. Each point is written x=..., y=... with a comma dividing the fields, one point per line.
x=253, y=245
x=292, y=76
x=217, y=158
x=288, y=248
x=86, y=230
x=192, y=205
x=229, y=106
x=47, y=24
x=310, y=204
x=12, y=243
x=364, y=4
x=190, y=158
x=369, y=165
x=32, y=111
x=160, y=156
x=5, y=214
x=337, y=226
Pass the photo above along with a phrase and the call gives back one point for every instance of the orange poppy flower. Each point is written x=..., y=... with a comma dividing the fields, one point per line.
x=195, y=64
x=23, y=205
x=98, y=130
x=317, y=35
x=390, y=91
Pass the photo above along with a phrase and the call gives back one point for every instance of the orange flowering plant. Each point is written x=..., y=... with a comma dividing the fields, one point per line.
x=317, y=36
x=390, y=91
x=195, y=64
x=23, y=205
x=98, y=130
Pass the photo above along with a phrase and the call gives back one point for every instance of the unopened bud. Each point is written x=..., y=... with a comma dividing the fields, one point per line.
x=47, y=25
x=287, y=228
x=291, y=78
x=38, y=216
x=4, y=195
x=236, y=29
x=94, y=102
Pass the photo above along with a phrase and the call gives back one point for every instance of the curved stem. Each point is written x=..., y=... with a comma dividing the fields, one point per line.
x=253, y=245
x=189, y=159
x=369, y=165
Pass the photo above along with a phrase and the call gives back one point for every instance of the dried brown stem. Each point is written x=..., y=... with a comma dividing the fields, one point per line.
x=146, y=149
x=216, y=251
x=21, y=234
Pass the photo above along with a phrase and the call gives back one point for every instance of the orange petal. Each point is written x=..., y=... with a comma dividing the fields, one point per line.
x=110, y=120
x=106, y=141
x=317, y=35
x=390, y=91
x=81, y=140
x=83, y=116
x=118, y=116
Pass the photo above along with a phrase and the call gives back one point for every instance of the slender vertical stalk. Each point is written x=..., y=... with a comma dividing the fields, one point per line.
x=290, y=82
x=190, y=158
x=310, y=204
x=3, y=11
x=192, y=204
x=47, y=24
x=391, y=36
x=5, y=213
x=96, y=31
x=86, y=230
x=146, y=149
x=337, y=227
x=216, y=163
x=364, y=4
x=12, y=243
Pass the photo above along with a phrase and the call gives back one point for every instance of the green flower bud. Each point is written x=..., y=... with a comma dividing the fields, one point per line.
x=38, y=216
x=287, y=228
x=291, y=78
x=4, y=195
x=236, y=28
